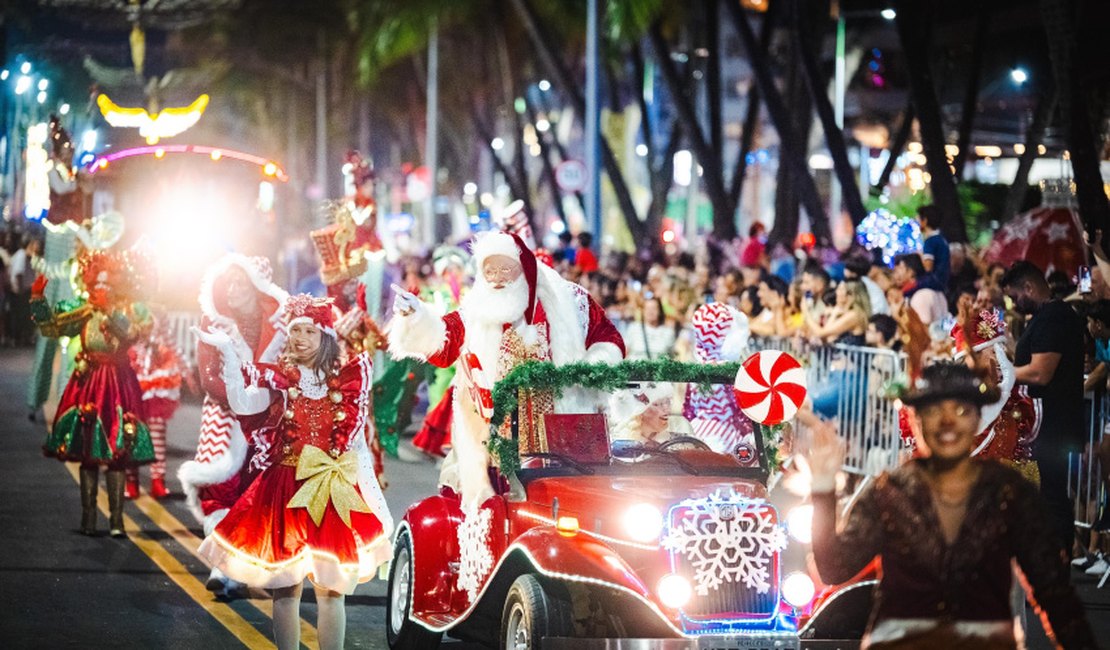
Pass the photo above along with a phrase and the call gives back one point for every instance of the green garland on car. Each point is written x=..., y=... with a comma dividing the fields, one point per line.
x=546, y=376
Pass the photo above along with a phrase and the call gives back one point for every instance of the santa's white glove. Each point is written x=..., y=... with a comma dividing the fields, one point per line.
x=404, y=303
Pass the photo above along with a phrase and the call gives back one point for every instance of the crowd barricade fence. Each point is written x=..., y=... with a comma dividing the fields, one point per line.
x=180, y=326
x=846, y=383
x=1084, y=470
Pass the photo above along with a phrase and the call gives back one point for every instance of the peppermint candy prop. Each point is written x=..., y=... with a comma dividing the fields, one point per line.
x=770, y=387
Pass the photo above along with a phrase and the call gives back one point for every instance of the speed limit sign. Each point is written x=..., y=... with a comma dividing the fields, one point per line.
x=571, y=175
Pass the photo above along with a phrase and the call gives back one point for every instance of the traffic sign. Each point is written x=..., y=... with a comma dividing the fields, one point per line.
x=570, y=175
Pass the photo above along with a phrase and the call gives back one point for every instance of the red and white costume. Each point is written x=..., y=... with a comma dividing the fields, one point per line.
x=316, y=509
x=159, y=369
x=219, y=473
x=720, y=335
x=539, y=316
x=1007, y=427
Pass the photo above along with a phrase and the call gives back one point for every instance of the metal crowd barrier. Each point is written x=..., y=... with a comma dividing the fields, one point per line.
x=180, y=325
x=1084, y=470
x=847, y=382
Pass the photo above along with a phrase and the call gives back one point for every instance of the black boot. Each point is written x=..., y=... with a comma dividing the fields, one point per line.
x=115, y=480
x=90, y=477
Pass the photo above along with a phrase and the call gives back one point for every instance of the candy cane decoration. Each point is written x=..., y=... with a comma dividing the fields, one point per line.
x=770, y=387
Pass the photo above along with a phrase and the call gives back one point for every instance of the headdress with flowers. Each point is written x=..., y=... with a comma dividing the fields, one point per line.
x=986, y=328
x=303, y=308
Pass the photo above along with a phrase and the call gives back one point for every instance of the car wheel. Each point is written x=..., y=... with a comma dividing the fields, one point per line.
x=531, y=613
x=401, y=631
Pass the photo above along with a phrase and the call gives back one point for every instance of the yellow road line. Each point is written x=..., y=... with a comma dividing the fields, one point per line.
x=174, y=570
x=165, y=520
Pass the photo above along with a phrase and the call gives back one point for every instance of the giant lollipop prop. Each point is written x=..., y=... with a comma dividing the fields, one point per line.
x=770, y=387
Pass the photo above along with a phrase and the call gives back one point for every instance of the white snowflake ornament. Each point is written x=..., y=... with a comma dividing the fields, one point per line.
x=727, y=539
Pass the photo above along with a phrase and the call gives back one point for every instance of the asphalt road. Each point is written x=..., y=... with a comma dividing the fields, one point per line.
x=60, y=589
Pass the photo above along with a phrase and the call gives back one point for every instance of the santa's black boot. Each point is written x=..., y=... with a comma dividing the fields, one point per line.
x=90, y=478
x=115, y=481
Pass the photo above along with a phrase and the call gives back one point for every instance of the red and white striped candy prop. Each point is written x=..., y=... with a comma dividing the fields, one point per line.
x=770, y=387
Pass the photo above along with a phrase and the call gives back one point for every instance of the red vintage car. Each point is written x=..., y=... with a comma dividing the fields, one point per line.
x=615, y=540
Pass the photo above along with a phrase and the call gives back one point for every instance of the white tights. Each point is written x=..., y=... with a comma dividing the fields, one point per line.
x=331, y=618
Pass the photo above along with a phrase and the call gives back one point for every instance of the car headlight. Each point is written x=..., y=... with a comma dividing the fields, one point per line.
x=643, y=522
x=674, y=590
x=798, y=589
x=799, y=523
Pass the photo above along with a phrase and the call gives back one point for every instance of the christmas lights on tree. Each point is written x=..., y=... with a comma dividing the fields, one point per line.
x=891, y=234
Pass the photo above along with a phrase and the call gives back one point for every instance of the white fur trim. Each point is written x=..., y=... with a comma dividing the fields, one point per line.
x=194, y=475
x=469, y=433
x=416, y=336
x=990, y=412
x=563, y=306
x=494, y=243
x=604, y=352
x=330, y=331
x=208, y=306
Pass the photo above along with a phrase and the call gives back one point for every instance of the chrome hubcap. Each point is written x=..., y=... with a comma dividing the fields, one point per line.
x=399, y=597
x=516, y=634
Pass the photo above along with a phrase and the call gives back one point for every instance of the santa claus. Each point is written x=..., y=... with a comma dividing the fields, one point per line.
x=517, y=311
x=238, y=297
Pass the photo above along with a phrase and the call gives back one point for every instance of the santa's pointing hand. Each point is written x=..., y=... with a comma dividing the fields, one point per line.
x=404, y=302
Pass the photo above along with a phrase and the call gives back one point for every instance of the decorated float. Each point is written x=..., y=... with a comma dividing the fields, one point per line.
x=626, y=530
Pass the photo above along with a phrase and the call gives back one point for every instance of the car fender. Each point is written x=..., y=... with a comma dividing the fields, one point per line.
x=432, y=524
x=579, y=558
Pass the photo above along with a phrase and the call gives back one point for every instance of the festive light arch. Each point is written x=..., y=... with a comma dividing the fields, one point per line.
x=269, y=168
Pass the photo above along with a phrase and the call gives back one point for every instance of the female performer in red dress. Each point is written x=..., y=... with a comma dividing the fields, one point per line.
x=316, y=510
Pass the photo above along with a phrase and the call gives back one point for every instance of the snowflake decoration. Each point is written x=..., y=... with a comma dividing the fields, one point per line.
x=727, y=539
x=475, y=560
x=990, y=325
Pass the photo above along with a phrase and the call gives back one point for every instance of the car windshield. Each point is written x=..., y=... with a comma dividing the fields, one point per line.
x=673, y=427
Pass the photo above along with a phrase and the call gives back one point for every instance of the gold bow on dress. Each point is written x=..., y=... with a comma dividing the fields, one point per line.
x=326, y=478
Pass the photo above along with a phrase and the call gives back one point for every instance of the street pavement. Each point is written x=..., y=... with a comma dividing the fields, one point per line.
x=60, y=589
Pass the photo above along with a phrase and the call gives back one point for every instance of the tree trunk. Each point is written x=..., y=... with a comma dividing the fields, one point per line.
x=971, y=94
x=662, y=177
x=896, y=147
x=712, y=14
x=1015, y=197
x=914, y=25
x=566, y=82
x=751, y=118
x=724, y=226
x=834, y=137
x=548, y=169
x=1073, y=86
x=793, y=145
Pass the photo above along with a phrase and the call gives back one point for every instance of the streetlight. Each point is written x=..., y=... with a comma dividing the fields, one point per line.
x=1019, y=75
x=4, y=74
x=25, y=68
x=888, y=14
x=545, y=85
x=43, y=84
x=22, y=85
x=41, y=97
x=88, y=139
x=64, y=109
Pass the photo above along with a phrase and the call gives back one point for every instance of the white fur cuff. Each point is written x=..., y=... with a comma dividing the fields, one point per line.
x=604, y=353
x=418, y=335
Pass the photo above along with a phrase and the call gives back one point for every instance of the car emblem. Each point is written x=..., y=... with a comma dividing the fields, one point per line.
x=745, y=453
x=726, y=512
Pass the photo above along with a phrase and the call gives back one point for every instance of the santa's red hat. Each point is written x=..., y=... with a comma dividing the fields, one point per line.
x=303, y=308
x=511, y=246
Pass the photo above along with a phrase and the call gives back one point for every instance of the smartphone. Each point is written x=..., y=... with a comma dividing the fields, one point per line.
x=1084, y=279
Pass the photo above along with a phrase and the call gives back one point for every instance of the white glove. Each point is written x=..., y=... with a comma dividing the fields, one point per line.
x=222, y=342
x=404, y=303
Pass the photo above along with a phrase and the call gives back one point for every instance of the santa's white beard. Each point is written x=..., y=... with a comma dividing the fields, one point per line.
x=485, y=312
x=486, y=305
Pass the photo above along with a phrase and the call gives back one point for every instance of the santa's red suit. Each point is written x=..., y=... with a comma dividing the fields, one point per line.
x=537, y=316
x=219, y=473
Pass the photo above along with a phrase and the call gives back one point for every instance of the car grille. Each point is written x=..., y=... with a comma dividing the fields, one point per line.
x=732, y=598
